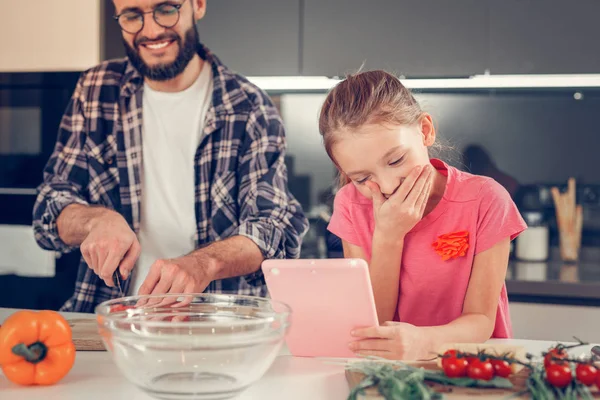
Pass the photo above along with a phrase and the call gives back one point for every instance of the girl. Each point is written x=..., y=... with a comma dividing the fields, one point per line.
x=437, y=239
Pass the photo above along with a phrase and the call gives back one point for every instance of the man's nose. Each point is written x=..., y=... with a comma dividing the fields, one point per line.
x=151, y=29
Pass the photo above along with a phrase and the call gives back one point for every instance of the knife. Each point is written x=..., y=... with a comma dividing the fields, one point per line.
x=117, y=281
x=596, y=352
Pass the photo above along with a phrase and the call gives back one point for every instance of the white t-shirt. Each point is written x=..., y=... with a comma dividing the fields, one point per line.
x=173, y=125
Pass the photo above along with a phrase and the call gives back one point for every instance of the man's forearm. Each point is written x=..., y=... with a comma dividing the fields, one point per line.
x=235, y=256
x=75, y=221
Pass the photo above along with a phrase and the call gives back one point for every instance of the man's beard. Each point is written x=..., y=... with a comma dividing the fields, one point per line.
x=164, y=72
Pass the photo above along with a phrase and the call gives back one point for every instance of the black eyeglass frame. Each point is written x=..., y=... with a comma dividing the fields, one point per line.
x=153, y=12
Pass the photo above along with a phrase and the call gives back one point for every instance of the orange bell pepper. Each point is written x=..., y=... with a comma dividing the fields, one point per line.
x=36, y=348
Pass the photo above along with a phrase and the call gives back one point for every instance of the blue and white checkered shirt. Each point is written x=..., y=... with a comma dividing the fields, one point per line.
x=242, y=179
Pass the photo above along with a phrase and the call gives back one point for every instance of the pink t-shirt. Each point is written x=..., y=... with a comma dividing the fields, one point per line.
x=432, y=291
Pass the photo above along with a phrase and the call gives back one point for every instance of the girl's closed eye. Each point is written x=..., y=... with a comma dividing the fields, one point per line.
x=397, y=162
x=361, y=181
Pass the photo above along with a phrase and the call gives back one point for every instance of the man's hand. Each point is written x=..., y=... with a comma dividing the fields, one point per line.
x=187, y=274
x=110, y=244
x=192, y=273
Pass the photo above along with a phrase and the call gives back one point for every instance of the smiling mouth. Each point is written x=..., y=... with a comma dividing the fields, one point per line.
x=157, y=45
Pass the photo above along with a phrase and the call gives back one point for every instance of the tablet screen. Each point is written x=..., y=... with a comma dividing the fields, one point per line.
x=328, y=298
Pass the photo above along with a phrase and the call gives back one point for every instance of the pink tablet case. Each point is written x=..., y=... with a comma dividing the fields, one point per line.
x=328, y=298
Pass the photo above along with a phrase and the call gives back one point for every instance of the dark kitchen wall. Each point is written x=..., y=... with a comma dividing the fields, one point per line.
x=533, y=137
x=537, y=136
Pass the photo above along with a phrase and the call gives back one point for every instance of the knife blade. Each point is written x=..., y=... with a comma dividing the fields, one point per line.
x=596, y=352
x=117, y=281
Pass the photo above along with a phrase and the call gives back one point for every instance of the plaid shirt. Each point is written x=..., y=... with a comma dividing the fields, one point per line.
x=241, y=180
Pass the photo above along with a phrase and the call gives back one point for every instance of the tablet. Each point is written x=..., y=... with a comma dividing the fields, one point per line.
x=328, y=297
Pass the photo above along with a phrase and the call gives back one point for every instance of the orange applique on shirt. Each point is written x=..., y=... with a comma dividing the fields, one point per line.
x=452, y=245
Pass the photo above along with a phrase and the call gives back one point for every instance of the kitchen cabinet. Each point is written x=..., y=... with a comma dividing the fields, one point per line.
x=415, y=38
x=544, y=36
x=256, y=38
x=45, y=36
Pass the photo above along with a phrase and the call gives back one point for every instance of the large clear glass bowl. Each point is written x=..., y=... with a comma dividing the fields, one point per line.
x=212, y=348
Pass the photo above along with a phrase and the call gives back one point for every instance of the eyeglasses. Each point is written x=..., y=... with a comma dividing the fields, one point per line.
x=165, y=15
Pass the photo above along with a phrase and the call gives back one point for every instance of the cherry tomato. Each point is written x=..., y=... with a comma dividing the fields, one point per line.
x=480, y=370
x=598, y=380
x=449, y=354
x=119, y=308
x=586, y=374
x=554, y=356
x=176, y=318
x=559, y=375
x=471, y=359
x=456, y=367
x=501, y=368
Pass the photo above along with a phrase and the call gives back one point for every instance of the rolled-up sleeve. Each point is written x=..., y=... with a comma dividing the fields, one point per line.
x=65, y=176
x=269, y=214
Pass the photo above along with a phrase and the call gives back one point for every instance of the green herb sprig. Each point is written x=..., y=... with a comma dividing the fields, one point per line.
x=397, y=380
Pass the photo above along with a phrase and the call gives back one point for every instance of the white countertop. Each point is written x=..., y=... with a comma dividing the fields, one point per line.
x=95, y=377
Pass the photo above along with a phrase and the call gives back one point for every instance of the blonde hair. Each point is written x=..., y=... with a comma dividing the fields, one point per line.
x=372, y=97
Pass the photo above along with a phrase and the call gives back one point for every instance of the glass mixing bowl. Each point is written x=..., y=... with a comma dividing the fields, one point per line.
x=212, y=348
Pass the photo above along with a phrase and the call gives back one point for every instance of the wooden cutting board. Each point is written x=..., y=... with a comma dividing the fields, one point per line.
x=518, y=380
x=85, y=334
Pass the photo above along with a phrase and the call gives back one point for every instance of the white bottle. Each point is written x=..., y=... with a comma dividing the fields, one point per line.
x=532, y=244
